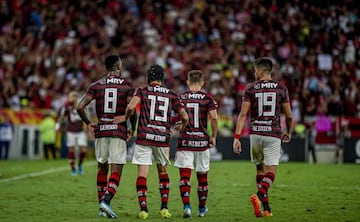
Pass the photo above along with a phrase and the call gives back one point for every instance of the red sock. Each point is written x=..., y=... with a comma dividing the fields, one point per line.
x=81, y=157
x=71, y=156
x=164, y=187
x=259, y=178
x=202, y=188
x=113, y=185
x=185, y=188
x=141, y=189
x=265, y=184
x=101, y=183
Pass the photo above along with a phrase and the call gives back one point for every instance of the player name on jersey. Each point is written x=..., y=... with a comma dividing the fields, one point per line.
x=154, y=137
x=262, y=128
x=108, y=127
x=192, y=143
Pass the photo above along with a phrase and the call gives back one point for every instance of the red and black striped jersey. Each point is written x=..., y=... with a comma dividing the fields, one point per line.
x=156, y=105
x=266, y=98
x=73, y=121
x=111, y=94
x=195, y=136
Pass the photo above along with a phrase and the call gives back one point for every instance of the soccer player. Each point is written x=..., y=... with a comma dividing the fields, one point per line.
x=264, y=98
x=75, y=134
x=153, y=135
x=111, y=94
x=194, y=141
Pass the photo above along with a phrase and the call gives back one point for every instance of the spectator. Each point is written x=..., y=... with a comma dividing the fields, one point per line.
x=48, y=135
x=6, y=136
x=50, y=48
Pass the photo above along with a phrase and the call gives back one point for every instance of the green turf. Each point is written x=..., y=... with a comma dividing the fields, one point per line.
x=301, y=192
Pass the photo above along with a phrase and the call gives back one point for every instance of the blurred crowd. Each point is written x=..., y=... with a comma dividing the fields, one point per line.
x=51, y=47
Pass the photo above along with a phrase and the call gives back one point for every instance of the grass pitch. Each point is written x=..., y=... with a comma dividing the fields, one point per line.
x=45, y=191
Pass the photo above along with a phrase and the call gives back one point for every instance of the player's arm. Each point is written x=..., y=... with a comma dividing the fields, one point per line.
x=245, y=107
x=184, y=118
x=214, y=127
x=131, y=107
x=288, y=119
x=84, y=101
x=60, y=119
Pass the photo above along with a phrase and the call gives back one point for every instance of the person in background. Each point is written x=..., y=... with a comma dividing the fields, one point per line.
x=265, y=99
x=48, y=135
x=194, y=143
x=311, y=131
x=6, y=136
x=343, y=133
x=111, y=94
x=153, y=135
x=75, y=134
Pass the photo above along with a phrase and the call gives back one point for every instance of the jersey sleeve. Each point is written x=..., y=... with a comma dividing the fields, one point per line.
x=90, y=91
x=177, y=103
x=285, y=96
x=247, y=96
x=212, y=103
x=137, y=92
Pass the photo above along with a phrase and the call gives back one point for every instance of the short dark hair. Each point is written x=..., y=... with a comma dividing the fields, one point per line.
x=111, y=62
x=195, y=76
x=155, y=73
x=264, y=63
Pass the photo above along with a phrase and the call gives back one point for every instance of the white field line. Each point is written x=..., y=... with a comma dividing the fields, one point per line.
x=41, y=173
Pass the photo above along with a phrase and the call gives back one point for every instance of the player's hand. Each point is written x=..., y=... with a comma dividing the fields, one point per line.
x=286, y=137
x=212, y=141
x=91, y=130
x=130, y=134
x=119, y=119
x=178, y=126
x=237, y=146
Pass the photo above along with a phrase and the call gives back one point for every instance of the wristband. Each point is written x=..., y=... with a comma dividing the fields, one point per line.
x=236, y=136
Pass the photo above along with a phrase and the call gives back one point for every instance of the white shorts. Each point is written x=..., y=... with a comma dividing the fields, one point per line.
x=110, y=150
x=200, y=161
x=73, y=139
x=143, y=155
x=265, y=150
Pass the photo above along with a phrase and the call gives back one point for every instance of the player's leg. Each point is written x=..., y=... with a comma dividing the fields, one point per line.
x=71, y=156
x=264, y=187
x=70, y=143
x=257, y=157
x=202, y=167
x=260, y=173
x=117, y=158
x=82, y=142
x=272, y=153
x=161, y=157
x=184, y=160
x=102, y=156
x=142, y=158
